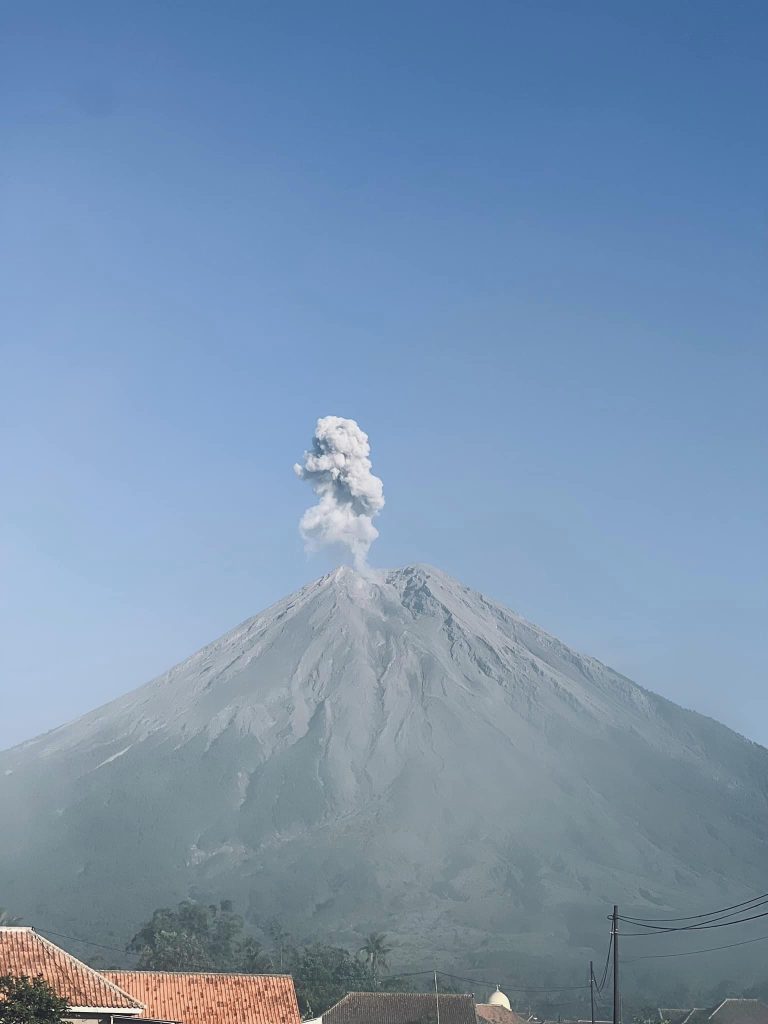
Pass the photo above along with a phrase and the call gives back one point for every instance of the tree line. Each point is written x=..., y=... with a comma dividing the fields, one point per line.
x=195, y=937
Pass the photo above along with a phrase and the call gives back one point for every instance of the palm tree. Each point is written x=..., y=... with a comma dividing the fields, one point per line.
x=7, y=920
x=376, y=952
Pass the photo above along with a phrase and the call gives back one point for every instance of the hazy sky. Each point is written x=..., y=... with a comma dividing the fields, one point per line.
x=523, y=243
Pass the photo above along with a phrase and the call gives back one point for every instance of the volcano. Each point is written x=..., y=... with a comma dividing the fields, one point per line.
x=387, y=751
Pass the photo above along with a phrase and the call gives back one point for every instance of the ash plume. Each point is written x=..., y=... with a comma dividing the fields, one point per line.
x=339, y=470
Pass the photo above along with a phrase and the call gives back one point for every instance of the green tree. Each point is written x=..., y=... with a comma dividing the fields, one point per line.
x=26, y=1000
x=323, y=974
x=196, y=937
x=199, y=937
x=376, y=952
x=174, y=950
x=254, y=959
x=281, y=941
x=647, y=1015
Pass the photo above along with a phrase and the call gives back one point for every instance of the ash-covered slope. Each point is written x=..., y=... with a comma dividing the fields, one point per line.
x=391, y=751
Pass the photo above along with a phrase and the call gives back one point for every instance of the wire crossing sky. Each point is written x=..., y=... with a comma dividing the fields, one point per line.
x=521, y=244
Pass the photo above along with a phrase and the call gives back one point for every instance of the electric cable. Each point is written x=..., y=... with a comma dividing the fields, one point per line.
x=694, y=917
x=693, y=952
x=203, y=968
x=657, y=930
x=601, y=986
x=515, y=988
x=710, y=919
x=310, y=973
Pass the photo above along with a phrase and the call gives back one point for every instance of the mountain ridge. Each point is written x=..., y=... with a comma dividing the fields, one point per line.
x=374, y=575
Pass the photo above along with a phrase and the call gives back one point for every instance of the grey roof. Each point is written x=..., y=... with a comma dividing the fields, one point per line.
x=674, y=1016
x=698, y=1015
x=730, y=1011
x=401, y=1008
x=740, y=1011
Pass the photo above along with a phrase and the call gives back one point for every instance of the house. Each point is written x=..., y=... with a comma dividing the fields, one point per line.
x=497, y=1010
x=124, y=997
x=401, y=1008
x=208, y=998
x=572, y=1020
x=90, y=996
x=740, y=1011
x=729, y=1011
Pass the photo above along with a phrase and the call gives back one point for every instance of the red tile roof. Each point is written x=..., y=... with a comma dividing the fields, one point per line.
x=212, y=998
x=495, y=1014
x=24, y=952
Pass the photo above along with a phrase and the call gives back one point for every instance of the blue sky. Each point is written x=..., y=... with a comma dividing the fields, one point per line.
x=523, y=243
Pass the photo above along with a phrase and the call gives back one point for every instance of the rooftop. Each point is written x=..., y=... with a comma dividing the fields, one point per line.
x=199, y=998
x=740, y=1011
x=729, y=1011
x=495, y=1014
x=401, y=1008
x=24, y=952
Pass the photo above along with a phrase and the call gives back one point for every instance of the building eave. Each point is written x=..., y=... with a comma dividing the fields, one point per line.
x=114, y=1011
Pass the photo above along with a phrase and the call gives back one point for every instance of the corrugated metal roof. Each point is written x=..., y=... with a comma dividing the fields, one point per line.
x=401, y=1008
x=212, y=998
x=24, y=952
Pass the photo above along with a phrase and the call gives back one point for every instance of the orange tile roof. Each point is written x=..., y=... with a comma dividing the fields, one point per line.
x=23, y=951
x=212, y=998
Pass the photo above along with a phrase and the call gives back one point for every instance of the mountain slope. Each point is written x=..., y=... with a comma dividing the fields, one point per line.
x=391, y=751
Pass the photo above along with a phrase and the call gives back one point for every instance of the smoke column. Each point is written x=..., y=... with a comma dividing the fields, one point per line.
x=339, y=470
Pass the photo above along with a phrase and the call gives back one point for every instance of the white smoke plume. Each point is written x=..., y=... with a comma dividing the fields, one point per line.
x=339, y=470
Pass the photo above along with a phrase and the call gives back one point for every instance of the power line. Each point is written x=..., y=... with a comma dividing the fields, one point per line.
x=87, y=942
x=693, y=952
x=546, y=1005
x=617, y=1015
x=707, y=920
x=310, y=973
x=598, y=988
x=206, y=967
x=655, y=929
x=695, y=917
x=603, y=980
x=515, y=988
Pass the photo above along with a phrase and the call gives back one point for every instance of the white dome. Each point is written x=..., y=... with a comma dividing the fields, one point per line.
x=499, y=999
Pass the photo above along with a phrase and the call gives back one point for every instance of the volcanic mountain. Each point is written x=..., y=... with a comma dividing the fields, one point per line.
x=388, y=751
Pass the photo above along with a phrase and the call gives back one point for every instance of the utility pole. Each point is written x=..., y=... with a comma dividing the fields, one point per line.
x=616, y=993
x=592, y=990
x=437, y=1000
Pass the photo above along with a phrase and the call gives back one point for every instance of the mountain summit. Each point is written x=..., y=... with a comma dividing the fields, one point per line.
x=388, y=751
